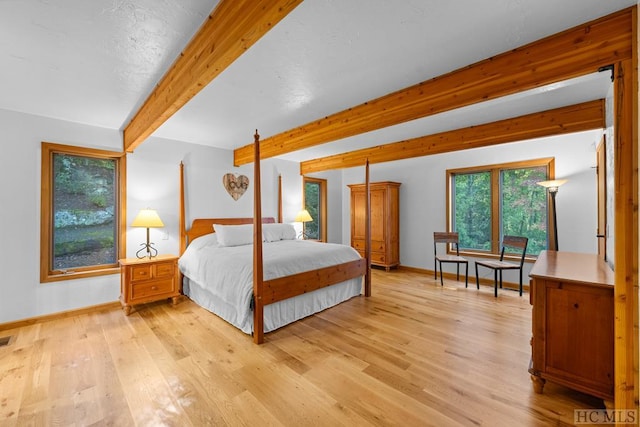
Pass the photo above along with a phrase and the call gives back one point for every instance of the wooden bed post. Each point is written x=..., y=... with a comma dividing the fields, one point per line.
x=182, y=214
x=280, y=198
x=367, y=232
x=258, y=307
x=270, y=291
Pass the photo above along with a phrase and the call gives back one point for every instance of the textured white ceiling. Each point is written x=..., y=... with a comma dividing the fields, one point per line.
x=90, y=61
x=95, y=62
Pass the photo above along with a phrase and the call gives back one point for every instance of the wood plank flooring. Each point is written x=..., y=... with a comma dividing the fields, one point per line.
x=414, y=354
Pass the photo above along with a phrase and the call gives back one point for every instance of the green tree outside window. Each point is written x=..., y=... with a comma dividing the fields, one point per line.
x=489, y=202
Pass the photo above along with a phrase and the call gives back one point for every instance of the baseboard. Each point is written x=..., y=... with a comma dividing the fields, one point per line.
x=60, y=315
x=472, y=280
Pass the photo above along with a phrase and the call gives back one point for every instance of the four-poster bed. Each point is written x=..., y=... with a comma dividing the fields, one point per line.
x=278, y=292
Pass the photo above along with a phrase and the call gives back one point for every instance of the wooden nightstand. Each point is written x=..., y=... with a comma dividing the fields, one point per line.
x=146, y=280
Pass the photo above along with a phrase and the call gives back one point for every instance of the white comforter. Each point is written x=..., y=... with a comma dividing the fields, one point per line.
x=226, y=273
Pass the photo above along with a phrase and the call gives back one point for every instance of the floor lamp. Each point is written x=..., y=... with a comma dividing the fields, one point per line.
x=552, y=187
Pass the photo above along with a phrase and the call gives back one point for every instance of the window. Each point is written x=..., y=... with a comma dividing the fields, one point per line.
x=82, y=204
x=315, y=201
x=488, y=202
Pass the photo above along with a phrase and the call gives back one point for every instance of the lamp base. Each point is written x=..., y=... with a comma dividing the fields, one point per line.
x=303, y=236
x=149, y=249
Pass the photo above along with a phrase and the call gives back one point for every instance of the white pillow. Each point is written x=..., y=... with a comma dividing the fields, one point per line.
x=234, y=235
x=203, y=241
x=276, y=232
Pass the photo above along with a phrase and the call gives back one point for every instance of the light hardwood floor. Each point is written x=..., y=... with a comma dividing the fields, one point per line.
x=413, y=354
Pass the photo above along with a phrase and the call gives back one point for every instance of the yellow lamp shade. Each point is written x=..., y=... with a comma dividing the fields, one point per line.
x=303, y=216
x=147, y=218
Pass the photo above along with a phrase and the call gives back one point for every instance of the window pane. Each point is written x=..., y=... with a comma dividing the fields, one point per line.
x=472, y=210
x=85, y=227
x=524, y=206
x=312, y=204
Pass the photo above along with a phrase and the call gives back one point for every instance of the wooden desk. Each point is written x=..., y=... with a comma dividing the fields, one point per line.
x=572, y=343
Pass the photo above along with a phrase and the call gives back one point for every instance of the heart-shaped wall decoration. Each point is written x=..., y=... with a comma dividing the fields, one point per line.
x=235, y=185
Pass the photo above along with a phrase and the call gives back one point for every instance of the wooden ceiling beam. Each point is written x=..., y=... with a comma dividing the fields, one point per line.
x=574, y=118
x=565, y=55
x=232, y=27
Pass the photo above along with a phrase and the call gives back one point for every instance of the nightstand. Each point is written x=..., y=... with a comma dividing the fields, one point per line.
x=146, y=280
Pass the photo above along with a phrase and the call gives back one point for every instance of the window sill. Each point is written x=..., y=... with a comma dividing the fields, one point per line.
x=70, y=275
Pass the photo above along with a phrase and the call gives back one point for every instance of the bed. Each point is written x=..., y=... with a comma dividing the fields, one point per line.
x=264, y=284
x=220, y=278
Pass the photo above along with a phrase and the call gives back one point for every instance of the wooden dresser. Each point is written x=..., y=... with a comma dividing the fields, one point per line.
x=572, y=343
x=385, y=222
x=146, y=280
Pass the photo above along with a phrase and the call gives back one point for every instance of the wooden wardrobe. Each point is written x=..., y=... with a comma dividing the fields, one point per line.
x=385, y=222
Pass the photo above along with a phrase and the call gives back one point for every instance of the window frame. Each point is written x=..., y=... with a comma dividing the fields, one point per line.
x=47, y=273
x=322, y=183
x=495, y=170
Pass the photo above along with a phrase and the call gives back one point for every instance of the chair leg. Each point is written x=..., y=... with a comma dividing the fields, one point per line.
x=458, y=271
x=495, y=283
x=466, y=275
x=520, y=282
x=477, y=284
x=477, y=280
x=435, y=269
x=441, y=281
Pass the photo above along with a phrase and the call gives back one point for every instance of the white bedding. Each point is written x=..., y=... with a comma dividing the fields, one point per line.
x=221, y=279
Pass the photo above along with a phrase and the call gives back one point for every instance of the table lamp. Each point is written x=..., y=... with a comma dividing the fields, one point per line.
x=147, y=218
x=303, y=216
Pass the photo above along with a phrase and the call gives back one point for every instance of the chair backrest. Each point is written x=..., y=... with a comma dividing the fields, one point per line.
x=445, y=237
x=517, y=242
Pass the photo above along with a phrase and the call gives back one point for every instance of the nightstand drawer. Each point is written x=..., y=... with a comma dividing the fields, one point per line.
x=140, y=272
x=145, y=290
x=164, y=269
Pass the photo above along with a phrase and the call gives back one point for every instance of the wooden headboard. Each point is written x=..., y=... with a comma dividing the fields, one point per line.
x=202, y=226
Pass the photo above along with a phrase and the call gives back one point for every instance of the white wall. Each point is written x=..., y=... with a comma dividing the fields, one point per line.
x=422, y=193
x=152, y=181
x=21, y=294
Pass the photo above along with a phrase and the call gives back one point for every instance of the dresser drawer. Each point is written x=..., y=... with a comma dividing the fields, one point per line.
x=150, y=289
x=164, y=269
x=376, y=245
x=141, y=272
x=377, y=258
x=146, y=272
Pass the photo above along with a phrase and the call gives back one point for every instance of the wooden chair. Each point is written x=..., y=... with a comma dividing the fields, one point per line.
x=514, y=242
x=449, y=238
